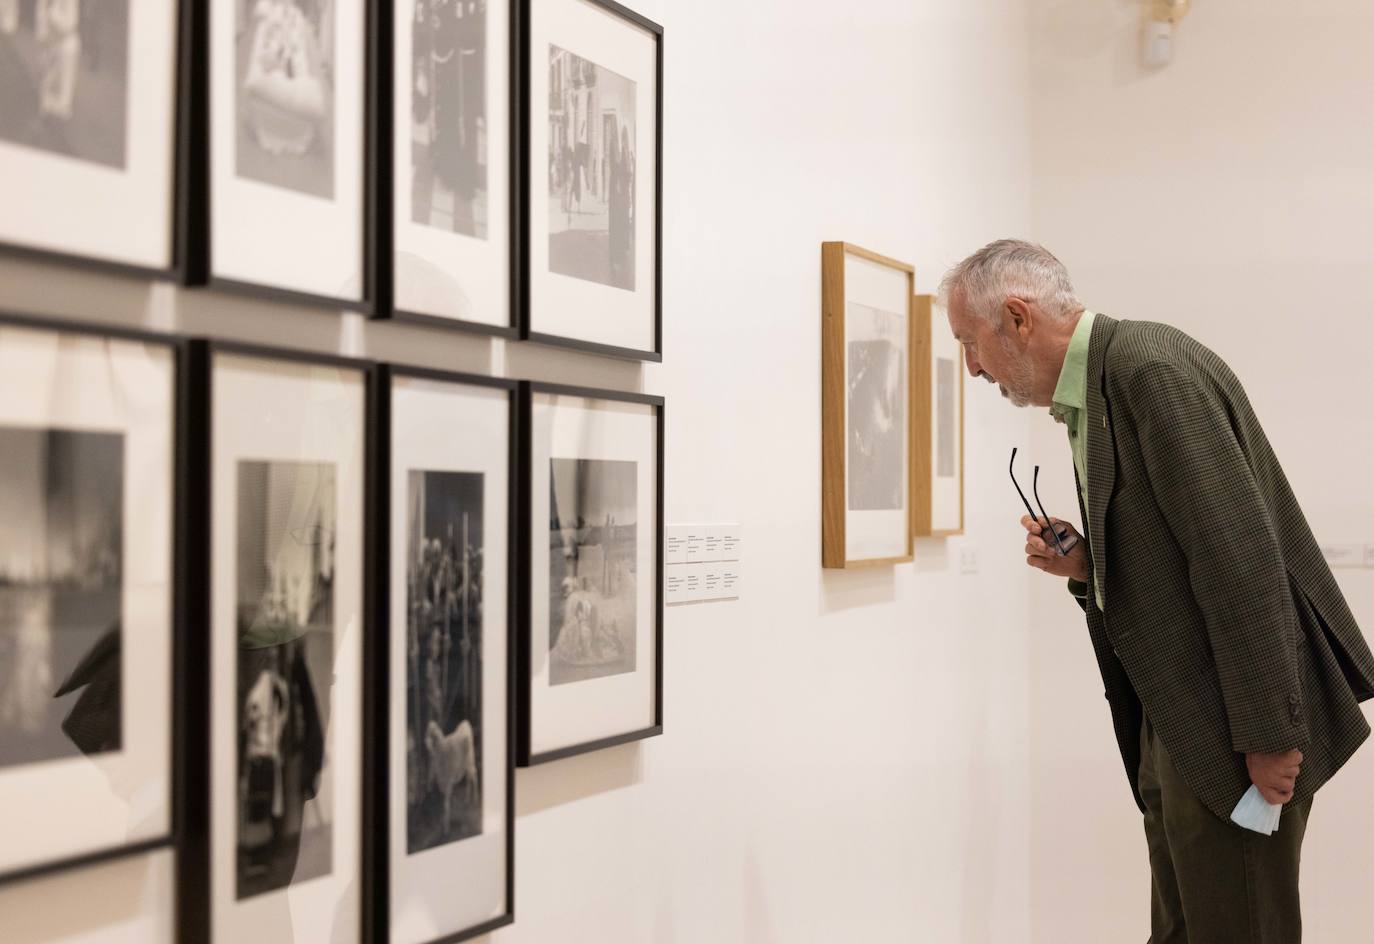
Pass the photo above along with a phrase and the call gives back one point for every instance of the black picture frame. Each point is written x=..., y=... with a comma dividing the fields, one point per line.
x=195, y=222
x=526, y=115
x=186, y=166
x=525, y=757
x=193, y=917
x=181, y=654
x=382, y=200
x=377, y=652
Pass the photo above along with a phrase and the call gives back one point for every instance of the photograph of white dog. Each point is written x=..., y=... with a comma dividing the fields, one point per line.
x=444, y=658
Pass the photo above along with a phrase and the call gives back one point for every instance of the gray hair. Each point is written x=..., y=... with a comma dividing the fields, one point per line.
x=1011, y=267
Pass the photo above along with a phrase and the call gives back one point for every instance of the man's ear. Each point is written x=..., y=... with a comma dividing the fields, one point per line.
x=1019, y=311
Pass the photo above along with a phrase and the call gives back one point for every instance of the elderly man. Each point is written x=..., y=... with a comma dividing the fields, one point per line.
x=1228, y=653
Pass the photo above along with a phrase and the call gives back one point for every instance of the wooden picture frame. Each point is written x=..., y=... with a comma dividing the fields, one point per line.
x=866, y=313
x=938, y=384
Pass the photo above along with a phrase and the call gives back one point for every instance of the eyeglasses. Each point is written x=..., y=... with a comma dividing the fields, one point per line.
x=1059, y=538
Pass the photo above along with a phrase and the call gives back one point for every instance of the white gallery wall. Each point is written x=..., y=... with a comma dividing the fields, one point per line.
x=847, y=754
x=1231, y=195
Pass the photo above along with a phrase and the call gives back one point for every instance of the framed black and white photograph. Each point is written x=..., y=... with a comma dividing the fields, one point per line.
x=867, y=443
x=87, y=478
x=445, y=740
x=288, y=142
x=591, y=647
x=88, y=129
x=938, y=386
x=286, y=467
x=450, y=162
x=594, y=117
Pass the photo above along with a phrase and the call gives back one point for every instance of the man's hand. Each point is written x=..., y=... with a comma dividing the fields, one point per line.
x=1046, y=557
x=1274, y=774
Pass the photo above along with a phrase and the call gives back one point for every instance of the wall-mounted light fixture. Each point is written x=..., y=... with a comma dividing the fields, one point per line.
x=1159, y=30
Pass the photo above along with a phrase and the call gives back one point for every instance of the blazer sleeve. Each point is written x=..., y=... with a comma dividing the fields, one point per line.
x=1217, y=514
x=1079, y=590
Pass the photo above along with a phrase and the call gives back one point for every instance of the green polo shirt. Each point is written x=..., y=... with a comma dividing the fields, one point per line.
x=1070, y=408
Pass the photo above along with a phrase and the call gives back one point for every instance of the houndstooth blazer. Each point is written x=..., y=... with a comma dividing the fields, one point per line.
x=1223, y=622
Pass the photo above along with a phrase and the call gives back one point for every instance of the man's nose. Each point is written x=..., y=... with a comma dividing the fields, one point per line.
x=975, y=369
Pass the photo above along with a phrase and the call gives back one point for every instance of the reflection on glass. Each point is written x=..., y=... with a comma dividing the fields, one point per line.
x=286, y=534
x=61, y=501
x=444, y=659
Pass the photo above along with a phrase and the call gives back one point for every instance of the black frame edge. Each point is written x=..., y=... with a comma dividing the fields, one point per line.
x=659, y=570
x=522, y=581
x=192, y=225
x=592, y=347
x=300, y=356
x=515, y=598
x=193, y=899
x=378, y=17
x=594, y=393
x=475, y=328
x=376, y=753
x=86, y=859
x=519, y=168
x=285, y=296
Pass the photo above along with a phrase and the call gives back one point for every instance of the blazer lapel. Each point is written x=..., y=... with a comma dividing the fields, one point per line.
x=1101, y=448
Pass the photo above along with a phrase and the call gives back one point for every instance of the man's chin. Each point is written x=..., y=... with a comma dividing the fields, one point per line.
x=1016, y=400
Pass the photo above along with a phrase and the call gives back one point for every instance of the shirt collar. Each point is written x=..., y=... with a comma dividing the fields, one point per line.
x=1072, y=389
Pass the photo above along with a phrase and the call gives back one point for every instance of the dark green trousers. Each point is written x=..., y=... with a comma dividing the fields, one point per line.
x=1213, y=882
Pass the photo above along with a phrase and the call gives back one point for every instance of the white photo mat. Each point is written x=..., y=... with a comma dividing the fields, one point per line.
x=62, y=204
x=947, y=444
x=265, y=409
x=878, y=535
x=61, y=808
x=570, y=427
x=452, y=887
x=271, y=235
x=561, y=305
x=441, y=273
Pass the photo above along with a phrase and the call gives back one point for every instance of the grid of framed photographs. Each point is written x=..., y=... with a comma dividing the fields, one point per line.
x=488, y=165
x=253, y=609
x=368, y=626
